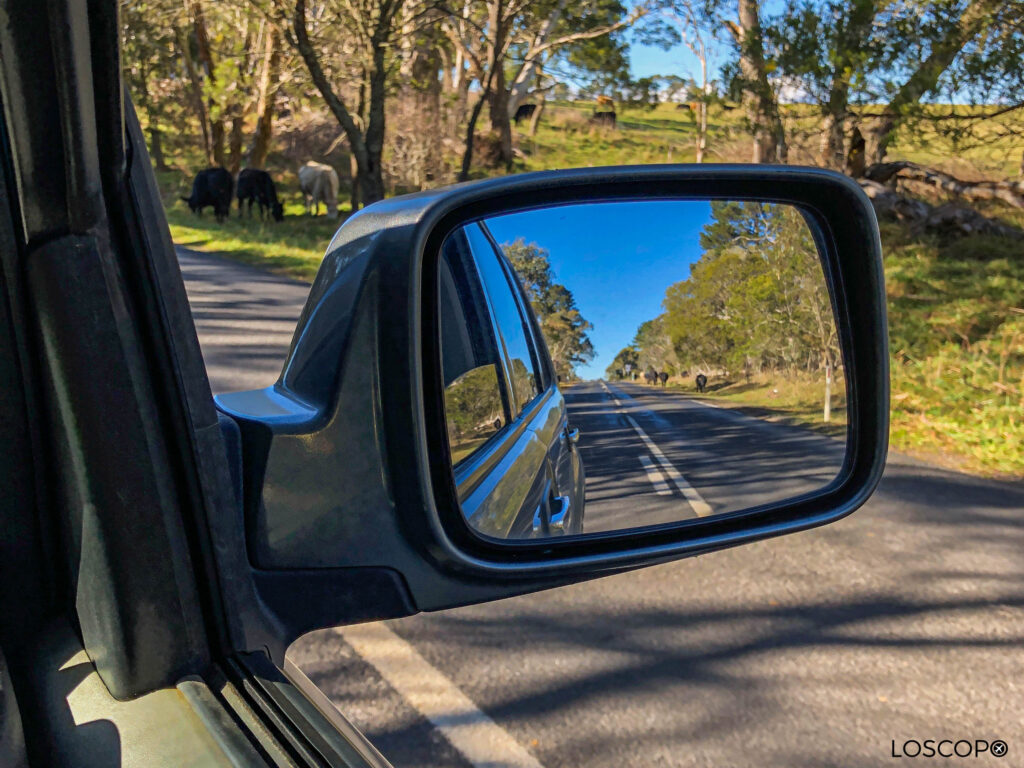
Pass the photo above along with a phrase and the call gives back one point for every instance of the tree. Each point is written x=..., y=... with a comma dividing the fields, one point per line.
x=370, y=27
x=756, y=298
x=563, y=327
x=694, y=24
x=626, y=362
x=654, y=346
x=828, y=48
x=948, y=27
x=150, y=46
x=486, y=34
x=759, y=100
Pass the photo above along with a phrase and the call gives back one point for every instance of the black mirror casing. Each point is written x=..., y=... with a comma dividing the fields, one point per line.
x=349, y=509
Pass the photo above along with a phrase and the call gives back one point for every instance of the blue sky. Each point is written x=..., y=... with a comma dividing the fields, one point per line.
x=616, y=258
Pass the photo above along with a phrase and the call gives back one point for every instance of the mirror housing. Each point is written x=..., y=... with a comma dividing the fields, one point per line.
x=348, y=507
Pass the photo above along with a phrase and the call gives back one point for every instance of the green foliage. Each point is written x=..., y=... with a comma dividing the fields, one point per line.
x=473, y=410
x=563, y=327
x=956, y=320
x=756, y=299
x=617, y=369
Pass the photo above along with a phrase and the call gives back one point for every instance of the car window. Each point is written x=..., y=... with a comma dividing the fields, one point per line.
x=475, y=405
x=509, y=318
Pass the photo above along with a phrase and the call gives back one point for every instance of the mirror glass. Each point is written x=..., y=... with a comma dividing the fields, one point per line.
x=616, y=365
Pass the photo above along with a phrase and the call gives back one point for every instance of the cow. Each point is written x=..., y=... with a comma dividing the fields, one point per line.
x=603, y=119
x=702, y=382
x=255, y=186
x=212, y=187
x=650, y=375
x=319, y=183
x=663, y=378
x=524, y=112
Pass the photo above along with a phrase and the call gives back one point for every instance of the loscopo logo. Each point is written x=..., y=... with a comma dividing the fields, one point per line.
x=949, y=748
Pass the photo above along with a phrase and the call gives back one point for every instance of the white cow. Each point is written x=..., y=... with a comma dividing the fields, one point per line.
x=319, y=183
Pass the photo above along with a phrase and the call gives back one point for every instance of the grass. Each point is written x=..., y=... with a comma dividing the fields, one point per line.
x=792, y=399
x=956, y=308
x=956, y=318
x=293, y=247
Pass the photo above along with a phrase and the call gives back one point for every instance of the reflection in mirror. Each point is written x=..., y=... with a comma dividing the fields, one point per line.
x=610, y=366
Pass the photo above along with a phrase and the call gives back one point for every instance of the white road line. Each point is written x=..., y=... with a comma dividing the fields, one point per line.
x=700, y=507
x=481, y=741
x=657, y=479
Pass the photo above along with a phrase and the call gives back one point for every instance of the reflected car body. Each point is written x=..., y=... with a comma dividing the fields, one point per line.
x=517, y=466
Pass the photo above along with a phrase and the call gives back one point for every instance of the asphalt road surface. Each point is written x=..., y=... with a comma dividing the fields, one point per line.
x=833, y=647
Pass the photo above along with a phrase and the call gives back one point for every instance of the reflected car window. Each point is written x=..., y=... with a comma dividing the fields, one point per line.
x=475, y=407
x=511, y=323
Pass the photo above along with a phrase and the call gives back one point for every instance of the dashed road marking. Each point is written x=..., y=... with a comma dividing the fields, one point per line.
x=481, y=741
x=700, y=507
x=654, y=475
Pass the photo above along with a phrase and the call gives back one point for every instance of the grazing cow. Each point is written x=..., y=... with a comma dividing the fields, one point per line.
x=524, y=112
x=683, y=106
x=211, y=187
x=256, y=186
x=319, y=183
x=603, y=119
x=650, y=375
x=702, y=382
x=663, y=377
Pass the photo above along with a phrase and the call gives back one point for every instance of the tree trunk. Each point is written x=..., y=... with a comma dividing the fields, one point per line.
x=372, y=174
x=217, y=130
x=833, y=149
x=501, y=124
x=911, y=174
x=421, y=101
x=495, y=59
x=759, y=99
x=156, y=147
x=702, y=107
x=924, y=79
x=196, y=94
x=235, y=144
x=467, y=154
x=535, y=117
x=217, y=139
x=267, y=95
x=357, y=143
x=530, y=68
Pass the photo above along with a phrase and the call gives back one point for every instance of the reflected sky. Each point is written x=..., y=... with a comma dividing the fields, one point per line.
x=616, y=258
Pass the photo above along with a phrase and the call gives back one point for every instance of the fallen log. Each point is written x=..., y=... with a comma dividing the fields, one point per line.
x=948, y=218
x=917, y=177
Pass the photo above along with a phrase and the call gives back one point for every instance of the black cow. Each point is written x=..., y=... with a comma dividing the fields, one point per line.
x=663, y=378
x=256, y=186
x=603, y=119
x=211, y=187
x=702, y=382
x=650, y=375
x=524, y=112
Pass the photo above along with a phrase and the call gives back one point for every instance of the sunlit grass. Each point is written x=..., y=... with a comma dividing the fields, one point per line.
x=793, y=398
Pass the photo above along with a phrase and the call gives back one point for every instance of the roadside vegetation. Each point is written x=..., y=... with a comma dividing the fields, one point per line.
x=404, y=95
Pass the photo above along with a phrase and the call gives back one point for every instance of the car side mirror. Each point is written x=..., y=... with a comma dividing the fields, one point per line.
x=418, y=451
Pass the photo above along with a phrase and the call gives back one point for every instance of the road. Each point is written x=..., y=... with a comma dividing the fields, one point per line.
x=904, y=621
x=655, y=456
